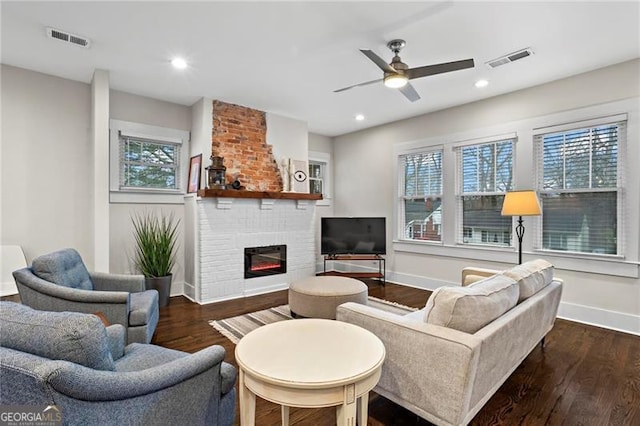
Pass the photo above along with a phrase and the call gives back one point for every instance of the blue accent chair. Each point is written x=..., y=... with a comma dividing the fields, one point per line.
x=59, y=281
x=72, y=361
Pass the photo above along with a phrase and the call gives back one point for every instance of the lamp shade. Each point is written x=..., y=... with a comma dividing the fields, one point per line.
x=521, y=203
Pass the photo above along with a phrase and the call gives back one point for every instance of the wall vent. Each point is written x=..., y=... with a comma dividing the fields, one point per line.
x=68, y=37
x=511, y=57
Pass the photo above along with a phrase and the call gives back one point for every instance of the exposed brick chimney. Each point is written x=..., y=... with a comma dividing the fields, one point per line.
x=239, y=135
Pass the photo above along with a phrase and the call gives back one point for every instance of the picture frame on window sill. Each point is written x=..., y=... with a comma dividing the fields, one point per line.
x=195, y=166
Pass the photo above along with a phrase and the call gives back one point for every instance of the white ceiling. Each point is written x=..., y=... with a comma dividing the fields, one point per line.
x=288, y=57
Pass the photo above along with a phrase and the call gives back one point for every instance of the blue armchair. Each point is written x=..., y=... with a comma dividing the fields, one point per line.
x=72, y=361
x=59, y=281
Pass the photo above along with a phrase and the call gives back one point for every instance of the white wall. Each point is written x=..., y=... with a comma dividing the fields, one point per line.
x=46, y=166
x=100, y=181
x=139, y=109
x=364, y=167
x=322, y=144
x=201, y=128
x=288, y=137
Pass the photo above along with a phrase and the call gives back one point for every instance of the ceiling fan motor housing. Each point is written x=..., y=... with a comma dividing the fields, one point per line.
x=396, y=63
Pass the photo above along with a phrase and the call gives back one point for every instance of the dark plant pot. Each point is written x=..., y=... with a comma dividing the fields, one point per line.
x=163, y=285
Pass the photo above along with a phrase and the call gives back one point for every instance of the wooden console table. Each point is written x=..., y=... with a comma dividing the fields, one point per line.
x=382, y=267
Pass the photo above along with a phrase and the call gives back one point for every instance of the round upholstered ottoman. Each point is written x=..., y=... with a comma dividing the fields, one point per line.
x=318, y=297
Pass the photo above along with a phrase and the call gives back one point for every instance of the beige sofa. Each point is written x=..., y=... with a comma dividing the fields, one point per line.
x=446, y=360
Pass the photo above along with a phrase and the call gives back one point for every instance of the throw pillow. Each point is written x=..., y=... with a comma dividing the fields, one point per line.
x=531, y=276
x=469, y=309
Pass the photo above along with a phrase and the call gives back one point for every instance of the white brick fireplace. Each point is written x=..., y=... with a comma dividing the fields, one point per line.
x=217, y=230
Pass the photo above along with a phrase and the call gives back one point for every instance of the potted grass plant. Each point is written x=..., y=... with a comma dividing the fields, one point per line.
x=155, y=253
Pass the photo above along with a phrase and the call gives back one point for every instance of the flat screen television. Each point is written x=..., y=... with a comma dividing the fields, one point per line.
x=353, y=235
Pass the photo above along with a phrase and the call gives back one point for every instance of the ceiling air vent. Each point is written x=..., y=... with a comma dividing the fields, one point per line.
x=511, y=57
x=68, y=37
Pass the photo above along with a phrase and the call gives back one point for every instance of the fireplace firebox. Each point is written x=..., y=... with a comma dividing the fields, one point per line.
x=262, y=261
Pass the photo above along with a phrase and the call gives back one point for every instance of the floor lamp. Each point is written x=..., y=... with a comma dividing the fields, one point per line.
x=521, y=203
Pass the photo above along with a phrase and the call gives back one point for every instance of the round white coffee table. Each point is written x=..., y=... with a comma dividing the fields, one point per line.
x=309, y=363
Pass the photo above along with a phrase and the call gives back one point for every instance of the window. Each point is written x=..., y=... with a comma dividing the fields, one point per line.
x=316, y=177
x=578, y=177
x=320, y=176
x=580, y=169
x=147, y=161
x=485, y=173
x=422, y=196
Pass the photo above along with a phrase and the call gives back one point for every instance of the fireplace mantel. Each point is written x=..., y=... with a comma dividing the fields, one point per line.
x=232, y=193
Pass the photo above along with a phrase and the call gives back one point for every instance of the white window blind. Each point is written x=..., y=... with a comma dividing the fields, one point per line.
x=148, y=163
x=484, y=173
x=580, y=180
x=421, y=195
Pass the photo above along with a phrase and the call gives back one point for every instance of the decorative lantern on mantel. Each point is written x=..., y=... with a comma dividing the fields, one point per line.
x=216, y=173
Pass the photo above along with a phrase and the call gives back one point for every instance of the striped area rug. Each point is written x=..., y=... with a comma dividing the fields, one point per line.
x=235, y=328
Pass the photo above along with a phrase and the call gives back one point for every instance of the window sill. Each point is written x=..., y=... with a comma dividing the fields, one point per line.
x=145, y=197
x=571, y=262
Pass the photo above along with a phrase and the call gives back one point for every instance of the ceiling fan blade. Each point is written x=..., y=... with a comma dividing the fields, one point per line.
x=439, y=68
x=366, y=83
x=410, y=92
x=384, y=66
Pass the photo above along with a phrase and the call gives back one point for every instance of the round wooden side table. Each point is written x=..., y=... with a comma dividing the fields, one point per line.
x=309, y=363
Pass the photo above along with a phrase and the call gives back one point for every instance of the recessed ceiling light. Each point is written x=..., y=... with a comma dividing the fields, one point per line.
x=179, y=63
x=482, y=83
x=359, y=117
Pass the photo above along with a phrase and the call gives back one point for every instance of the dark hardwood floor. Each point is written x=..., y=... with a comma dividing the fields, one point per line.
x=584, y=376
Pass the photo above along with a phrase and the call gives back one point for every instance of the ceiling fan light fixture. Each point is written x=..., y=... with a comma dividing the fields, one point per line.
x=395, y=81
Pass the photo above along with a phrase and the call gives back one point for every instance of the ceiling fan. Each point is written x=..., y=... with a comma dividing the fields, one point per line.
x=397, y=74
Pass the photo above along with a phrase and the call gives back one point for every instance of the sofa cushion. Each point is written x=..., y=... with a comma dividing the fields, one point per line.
x=531, y=276
x=66, y=336
x=418, y=316
x=470, y=308
x=64, y=267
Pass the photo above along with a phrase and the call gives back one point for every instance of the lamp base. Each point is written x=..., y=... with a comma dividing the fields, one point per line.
x=520, y=234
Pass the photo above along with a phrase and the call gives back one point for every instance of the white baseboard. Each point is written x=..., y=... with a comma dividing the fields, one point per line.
x=248, y=293
x=264, y=290
x=590, y=315
x=613, y=320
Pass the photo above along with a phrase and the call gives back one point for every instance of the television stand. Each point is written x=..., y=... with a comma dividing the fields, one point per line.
x=380, y=275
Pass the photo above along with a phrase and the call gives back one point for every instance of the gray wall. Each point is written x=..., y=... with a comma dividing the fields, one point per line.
x=323, y=144
x=139, y=109
x=365, y=168
x=46, y=175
